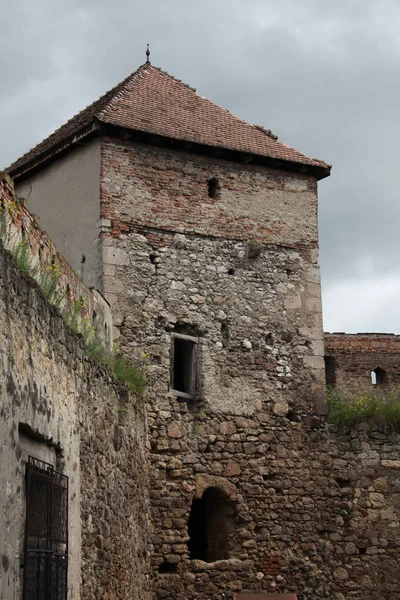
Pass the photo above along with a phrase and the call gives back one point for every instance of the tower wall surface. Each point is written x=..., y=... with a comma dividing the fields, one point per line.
x=239, y=272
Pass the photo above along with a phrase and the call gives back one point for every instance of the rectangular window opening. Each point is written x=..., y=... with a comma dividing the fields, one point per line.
x=46, y=532
x=183, y=365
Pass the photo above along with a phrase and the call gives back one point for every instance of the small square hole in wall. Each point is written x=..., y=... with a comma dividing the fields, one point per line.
x=167, y=567
x=183, y=365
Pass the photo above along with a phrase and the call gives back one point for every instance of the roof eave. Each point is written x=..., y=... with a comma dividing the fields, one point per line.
x=98, y=127
x=320, y=171
x=20, y=173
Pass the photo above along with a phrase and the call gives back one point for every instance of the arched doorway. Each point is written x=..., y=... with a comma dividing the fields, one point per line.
x=211, y=526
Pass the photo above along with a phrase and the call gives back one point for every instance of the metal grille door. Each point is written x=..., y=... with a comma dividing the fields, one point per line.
x=46, y=534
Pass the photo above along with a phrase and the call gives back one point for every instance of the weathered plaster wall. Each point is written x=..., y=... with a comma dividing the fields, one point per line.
x=49, y=384
x=351, y=358
x=250, y=287
x=17, y=224
x=65, y=197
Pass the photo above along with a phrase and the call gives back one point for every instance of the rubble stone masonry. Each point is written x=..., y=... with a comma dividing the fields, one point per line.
x=239, y=272
x=224, y=255
x=64, y=401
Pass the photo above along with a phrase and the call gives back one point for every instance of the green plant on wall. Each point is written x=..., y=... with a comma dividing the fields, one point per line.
x=48, y=279
x=131, y=374
x=22, y=256
x=253, y=248
x=380, y=408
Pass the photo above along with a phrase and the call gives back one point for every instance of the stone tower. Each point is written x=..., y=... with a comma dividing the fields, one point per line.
x=201, y=232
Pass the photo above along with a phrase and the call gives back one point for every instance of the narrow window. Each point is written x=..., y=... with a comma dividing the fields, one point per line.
x=183, y=365
x=211, y=526
x=330, y=371
x=213, y=187
x=378, y=376
x=46, y=535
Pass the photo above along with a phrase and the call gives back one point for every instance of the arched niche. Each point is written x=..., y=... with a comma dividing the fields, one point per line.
x=378, y=376
x=211, y=526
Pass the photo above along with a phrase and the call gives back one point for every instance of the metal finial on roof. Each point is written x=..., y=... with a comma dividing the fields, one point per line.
x=148, y=55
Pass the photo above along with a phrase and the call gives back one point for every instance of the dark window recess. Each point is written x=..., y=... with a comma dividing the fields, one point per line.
x=46, y=533
x=167, y=567
x=213, y=188
x=183, y=365
x=211, y=527
x=330, y=371
x=378, y=376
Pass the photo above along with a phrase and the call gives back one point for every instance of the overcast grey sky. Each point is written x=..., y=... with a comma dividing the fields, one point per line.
x=323, y=75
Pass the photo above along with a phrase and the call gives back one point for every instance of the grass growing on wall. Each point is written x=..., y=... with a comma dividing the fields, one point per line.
x=381, y=407
x=130, y=374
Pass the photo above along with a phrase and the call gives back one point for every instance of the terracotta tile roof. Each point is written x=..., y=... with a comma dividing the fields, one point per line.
x=153, y=101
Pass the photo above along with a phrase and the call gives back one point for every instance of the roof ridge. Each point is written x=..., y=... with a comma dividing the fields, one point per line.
x=132, y=78
x=175, y=79
x=122, y=85
x=76, y=115
x=153, y=101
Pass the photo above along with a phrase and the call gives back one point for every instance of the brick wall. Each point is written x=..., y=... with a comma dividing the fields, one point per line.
x=142, y=187
x=350, y=358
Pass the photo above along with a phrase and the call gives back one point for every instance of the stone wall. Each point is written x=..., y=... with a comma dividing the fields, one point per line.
x=350, y=358
x=240, y=273
x=314, y=512
x=361, y=540
x=245, y=273
x=297, y=506
x=64, y=405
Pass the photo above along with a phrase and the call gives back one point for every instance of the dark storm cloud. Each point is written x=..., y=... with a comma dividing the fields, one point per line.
x=322, y=75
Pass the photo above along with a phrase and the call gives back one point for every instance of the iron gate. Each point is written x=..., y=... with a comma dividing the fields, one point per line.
x=46, y=533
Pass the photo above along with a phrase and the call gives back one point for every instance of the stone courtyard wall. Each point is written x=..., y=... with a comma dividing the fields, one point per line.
x=64, y=402
x=363, y=550
x=350, y=358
